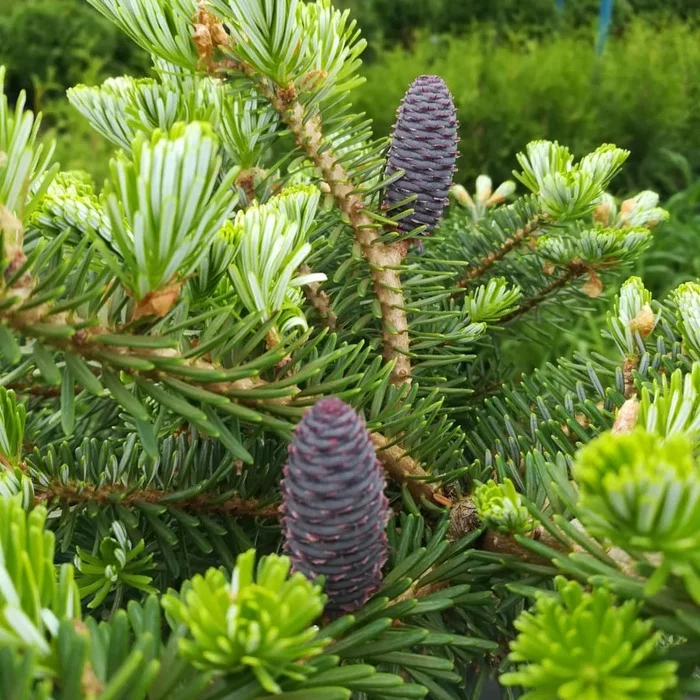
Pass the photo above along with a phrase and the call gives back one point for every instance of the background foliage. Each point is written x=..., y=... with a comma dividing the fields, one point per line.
x=642, y=94
x=518, y=71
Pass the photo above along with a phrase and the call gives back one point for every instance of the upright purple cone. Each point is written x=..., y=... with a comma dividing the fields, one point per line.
x=424, y=144
x=333, y=505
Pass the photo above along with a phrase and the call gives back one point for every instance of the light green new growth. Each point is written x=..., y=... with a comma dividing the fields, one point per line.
x=500, y=507
x=491, y=301
x=34, y=595
x=582, y=645
x=261, y=620
x=116, y=566
x=567, y=190
x=121, y=107
x=13, y=417
x=270, y=243
x=26, y=168
x=687, y=300
x=166, y=204
x=632, y=319
x=642, y=494
x=672, y=405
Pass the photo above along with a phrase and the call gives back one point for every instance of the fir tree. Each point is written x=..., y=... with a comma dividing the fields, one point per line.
x=241, y=305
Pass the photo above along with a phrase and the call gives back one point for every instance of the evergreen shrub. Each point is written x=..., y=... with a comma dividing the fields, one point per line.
x=255, y=442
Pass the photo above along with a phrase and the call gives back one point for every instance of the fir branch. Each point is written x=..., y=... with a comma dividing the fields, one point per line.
x=486, y=263
x=90, y=344
x=76, y=493
x=384, y=260
x=87, y=343
x=405, y=470
x=319, y=300
x=573, y=271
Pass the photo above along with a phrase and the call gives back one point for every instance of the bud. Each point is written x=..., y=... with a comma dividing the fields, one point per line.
x=642, y=210
x=593, y=287
x=627, y=417
x=503, y=191
x=461, y=196
x=644, y=200
x=606, y=210
x=644, y=322
x=484, y=187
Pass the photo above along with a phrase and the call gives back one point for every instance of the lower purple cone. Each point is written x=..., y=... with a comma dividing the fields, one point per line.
x=333, y=505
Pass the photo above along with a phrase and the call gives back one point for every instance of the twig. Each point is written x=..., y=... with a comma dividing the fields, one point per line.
x=574, y=270
x=628, y=374
x=75, y=493
x=319, y=300
x=384, y=260
x=405, y=470
x=417, y=591
x=492, y=258
x=505, y=544
x=38, y=390
x=486, y=391
x=399, y=466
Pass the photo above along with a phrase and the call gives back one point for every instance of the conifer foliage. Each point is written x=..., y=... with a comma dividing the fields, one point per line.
x=254, y=445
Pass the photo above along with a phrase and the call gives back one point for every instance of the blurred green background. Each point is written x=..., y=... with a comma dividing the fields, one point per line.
x=518, y=69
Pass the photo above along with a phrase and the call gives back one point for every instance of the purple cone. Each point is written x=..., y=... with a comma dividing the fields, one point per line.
x=333, y=504
x=424, y=144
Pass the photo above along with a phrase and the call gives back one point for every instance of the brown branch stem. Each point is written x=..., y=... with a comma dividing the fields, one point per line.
x=500, y=543
x=42, y=391
x=75, y=493
x=573, y=271
x=487, y=262
x=398, y=465
x=384, y=260
x=405, y=470
x=628, y=369
x=319, y=300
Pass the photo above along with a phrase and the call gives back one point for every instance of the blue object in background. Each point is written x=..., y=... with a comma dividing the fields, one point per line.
x=604, y=20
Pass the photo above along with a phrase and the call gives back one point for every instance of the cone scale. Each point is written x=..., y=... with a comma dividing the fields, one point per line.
x=334, y=508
